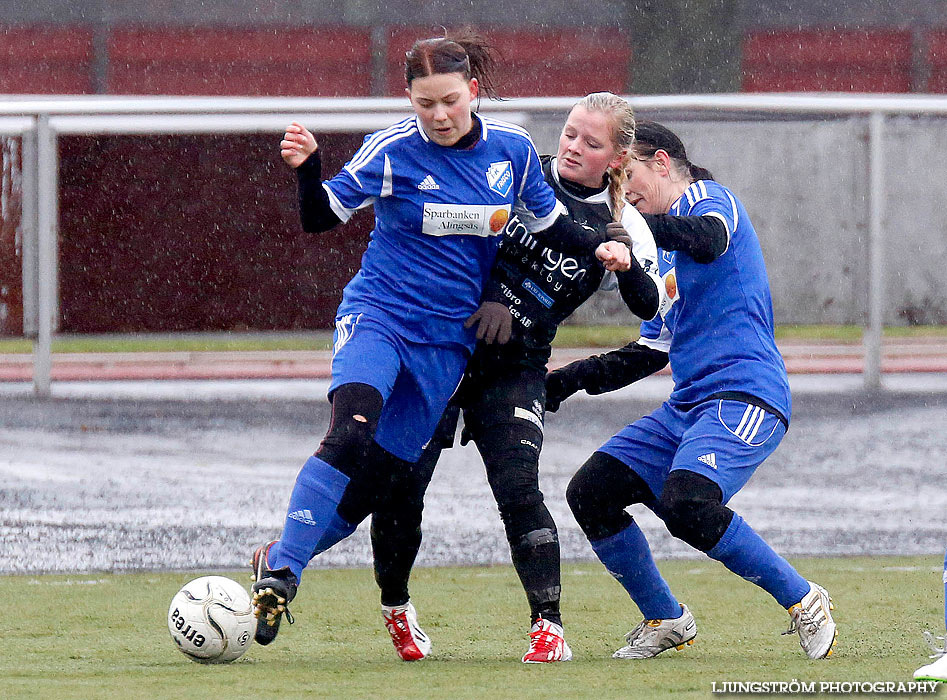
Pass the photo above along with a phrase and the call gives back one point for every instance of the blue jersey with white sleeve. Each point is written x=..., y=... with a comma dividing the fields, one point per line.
x=717, y=324
x=439, y=215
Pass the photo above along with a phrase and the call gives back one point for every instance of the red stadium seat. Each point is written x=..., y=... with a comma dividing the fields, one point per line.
x=334, y=61
x=875, y=60
x=937, y=60
x=46, y=60
x=537, y=62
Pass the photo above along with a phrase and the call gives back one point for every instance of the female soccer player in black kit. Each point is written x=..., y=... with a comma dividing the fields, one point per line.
x=533, y=289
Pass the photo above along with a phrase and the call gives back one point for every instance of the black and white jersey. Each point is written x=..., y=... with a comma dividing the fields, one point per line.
x=542, y=286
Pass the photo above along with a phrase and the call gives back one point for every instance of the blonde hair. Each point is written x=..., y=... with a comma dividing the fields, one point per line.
x=622, y=120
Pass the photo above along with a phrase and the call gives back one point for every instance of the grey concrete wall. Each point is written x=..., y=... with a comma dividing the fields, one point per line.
x=804, y=184
x=289, y=12
x=746, y=13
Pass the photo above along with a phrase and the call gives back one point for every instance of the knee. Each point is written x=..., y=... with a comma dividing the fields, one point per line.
x=691, y=506
x=356, y=409
x=528, y=525
x=513, y=475
x=580, y=490
x=602, y=489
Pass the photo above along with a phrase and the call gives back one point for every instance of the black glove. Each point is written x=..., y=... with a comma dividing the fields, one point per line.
x=616, y=232
x=495, y=322
x=559, y=387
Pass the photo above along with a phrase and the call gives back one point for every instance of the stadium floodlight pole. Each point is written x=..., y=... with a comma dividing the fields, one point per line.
x=47, y=176
x=871, y=338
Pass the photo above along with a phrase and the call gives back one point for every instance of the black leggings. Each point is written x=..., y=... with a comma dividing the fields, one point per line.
x=510, y=448
x=691, y=505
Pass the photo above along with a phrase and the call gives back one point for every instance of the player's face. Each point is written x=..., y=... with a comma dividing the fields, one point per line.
x=442, y=102
x=647, y=188
x=586, y=149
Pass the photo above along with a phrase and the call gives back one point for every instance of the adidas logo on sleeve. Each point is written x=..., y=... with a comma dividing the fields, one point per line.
x=710, y=459
x=428, y=184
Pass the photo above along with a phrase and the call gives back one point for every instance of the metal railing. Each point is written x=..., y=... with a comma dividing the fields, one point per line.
x=39, y=121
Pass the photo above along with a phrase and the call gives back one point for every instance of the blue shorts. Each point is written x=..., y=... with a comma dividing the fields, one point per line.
x=723, y=439
x=415, y=380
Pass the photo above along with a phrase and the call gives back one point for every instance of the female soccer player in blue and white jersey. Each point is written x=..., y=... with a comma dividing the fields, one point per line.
x=533, y=289
x=729, y=409
x=443, y=185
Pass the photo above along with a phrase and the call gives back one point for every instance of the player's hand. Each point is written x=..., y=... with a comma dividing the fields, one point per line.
x=495, y=322
x=298, y=144
x=616, y=232
x=556, y=390
x=615, y=256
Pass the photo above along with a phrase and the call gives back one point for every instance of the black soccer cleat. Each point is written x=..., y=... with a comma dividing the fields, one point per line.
x=272, y=593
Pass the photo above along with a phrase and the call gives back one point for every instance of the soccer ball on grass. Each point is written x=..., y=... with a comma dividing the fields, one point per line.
x=211, y=620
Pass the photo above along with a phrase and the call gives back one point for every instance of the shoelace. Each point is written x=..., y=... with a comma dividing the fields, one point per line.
x=931, y=640
x=543, y=641
x=636, y=636
x=806, y=619
x=398, y=627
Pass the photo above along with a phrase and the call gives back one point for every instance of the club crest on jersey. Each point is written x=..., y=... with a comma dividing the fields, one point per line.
x=500, y=177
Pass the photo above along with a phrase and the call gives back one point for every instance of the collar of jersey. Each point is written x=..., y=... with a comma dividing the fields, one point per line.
x=483, y=135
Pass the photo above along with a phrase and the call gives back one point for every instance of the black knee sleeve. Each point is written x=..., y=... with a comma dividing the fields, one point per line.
x=691, y=506
x=599, y=493
x=356, y=409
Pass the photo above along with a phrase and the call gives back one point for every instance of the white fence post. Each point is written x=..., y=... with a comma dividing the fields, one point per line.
x=47, y=179
x=871, y=338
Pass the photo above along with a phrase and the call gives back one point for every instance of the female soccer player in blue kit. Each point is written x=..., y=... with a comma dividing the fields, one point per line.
x=729, y=409
x=443, y=185
x=535, y=288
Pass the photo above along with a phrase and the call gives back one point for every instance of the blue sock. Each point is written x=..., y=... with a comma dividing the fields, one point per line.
x=318, y=490
x=337, y=530
x=746, y=554
x=627, y=557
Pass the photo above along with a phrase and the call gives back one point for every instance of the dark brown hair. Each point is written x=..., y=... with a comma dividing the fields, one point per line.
x=463, y=51
x=651, y=137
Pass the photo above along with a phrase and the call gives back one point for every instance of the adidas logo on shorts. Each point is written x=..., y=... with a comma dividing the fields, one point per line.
x=428, y=184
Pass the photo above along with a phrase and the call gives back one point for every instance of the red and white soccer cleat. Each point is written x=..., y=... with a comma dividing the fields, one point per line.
x=546, y=644
x=409, y=639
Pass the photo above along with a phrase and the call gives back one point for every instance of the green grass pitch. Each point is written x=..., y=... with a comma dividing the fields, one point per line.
x=105, y=635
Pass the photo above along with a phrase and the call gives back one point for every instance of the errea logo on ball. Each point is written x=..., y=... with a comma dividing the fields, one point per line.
x=500, y=177
x=464, y=219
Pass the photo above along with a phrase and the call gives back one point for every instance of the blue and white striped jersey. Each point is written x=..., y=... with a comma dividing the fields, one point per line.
x=439, y=216
x=718, y=327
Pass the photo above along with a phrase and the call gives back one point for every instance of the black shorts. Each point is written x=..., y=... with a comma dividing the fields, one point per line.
x=512, y=398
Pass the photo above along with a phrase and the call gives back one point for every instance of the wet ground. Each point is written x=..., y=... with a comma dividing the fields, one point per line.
x=192, y=475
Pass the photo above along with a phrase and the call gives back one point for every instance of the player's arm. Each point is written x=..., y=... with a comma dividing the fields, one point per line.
x=603, y=373
x=548, y=218
x=640, y=286
x=300, y=150
x=704, y=238
x=315, y=210
x=638, y=291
